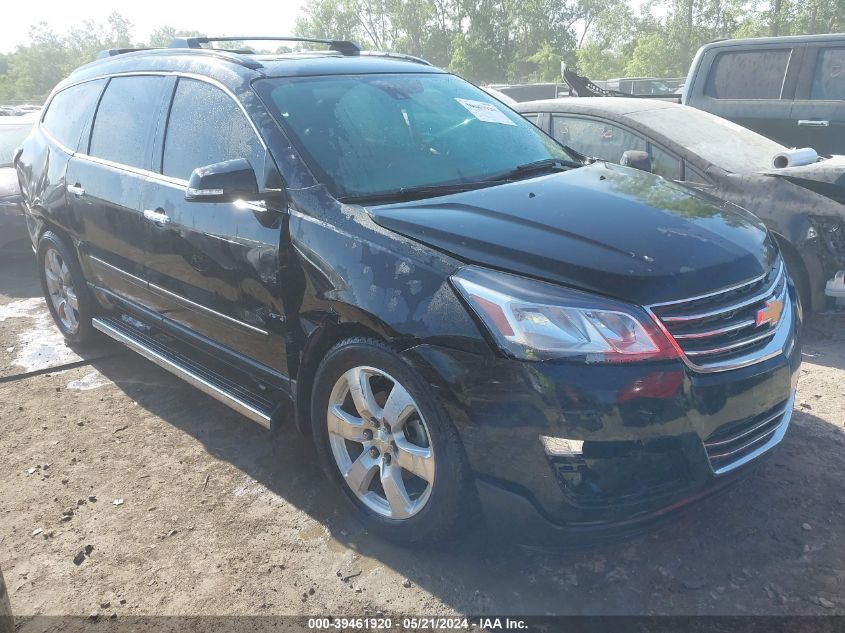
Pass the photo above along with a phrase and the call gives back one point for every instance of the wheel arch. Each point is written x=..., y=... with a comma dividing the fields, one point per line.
x=317, y=344
x=797, y=268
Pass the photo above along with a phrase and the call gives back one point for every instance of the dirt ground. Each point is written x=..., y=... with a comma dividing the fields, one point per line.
x=173, y=504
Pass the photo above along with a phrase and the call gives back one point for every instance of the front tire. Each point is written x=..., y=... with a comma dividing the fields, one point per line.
x=65, y=289
x=384, y=439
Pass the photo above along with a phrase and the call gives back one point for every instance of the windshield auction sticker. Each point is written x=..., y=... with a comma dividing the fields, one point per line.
x=486, y=112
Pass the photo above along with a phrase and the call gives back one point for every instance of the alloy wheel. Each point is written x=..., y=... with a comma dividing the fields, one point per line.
x=61, y=290
x=380, y=443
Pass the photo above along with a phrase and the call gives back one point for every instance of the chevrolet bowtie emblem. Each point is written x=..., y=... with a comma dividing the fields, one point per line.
x=770, y=315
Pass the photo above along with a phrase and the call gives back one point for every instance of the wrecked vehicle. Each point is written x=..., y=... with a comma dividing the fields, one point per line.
x=462, y=313
x=803, y=206
x=13, y=235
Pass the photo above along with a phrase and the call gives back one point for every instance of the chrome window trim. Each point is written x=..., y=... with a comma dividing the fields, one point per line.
x=138, y=171
x=158, y=73
x=186, y=75
x=180, y=298
x=54, y=140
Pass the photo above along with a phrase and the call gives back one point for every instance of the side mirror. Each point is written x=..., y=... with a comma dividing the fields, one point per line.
x=637, y=159
x=224, y=182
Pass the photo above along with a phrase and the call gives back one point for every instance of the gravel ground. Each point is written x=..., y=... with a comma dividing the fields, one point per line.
x=124, y=491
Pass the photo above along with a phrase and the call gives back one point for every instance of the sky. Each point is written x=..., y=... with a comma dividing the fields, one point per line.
x=264, y=18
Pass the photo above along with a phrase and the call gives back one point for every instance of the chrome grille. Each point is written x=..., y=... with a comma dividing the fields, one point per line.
x=736, y=443
x=723, y=326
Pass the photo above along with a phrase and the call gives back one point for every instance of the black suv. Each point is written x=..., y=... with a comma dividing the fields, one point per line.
x=465, y=314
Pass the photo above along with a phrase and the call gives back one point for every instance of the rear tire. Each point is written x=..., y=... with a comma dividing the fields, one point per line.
x=65, y=289
x=386, y=441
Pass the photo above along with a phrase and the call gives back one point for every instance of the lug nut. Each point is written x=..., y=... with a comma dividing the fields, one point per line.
x=373, y=452
x=368, y=434
x=387, y=458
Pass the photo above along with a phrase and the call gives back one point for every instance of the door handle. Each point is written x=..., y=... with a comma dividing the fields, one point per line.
x=813, y=123
x=157, y=217
x=76, y=190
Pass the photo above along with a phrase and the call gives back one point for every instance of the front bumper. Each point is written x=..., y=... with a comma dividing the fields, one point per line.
x=656, y=436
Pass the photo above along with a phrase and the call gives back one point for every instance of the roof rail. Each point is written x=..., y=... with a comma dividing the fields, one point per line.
x=410, y=58
x=341, y=46
x=111, y=52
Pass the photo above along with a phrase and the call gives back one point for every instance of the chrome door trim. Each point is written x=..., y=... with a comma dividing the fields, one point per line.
x=135, y=279
x=193, y=304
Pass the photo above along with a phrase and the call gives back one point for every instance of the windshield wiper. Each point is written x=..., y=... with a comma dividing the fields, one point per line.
x=405, y=194
x=546, y=164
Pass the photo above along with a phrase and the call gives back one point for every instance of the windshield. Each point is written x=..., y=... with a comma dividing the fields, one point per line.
x=11, y=137
x=716, y=140
x=365, y=135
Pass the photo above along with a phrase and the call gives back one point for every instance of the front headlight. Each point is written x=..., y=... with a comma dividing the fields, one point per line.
x=534, y=320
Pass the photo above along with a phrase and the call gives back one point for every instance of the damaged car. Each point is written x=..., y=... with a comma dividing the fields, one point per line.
x=802, y=205
x=13, y=234
x=469, y=320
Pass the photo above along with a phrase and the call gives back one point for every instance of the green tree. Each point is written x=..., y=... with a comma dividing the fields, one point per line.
x=162, y=36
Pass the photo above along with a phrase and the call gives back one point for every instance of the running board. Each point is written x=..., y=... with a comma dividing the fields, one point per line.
x=138, y=337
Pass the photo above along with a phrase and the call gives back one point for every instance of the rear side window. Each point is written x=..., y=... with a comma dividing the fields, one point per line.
x=748, y=74
x=125, y=118
x=664, y=164
x=829, y=80
x=206, y=126
x=598, y=139
x=69, y=112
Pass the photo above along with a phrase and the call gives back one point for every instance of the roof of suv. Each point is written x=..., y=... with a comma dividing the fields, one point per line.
x=783, y=39
x=229, y=67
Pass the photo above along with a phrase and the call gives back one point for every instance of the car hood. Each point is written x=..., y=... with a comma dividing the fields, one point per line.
x=603, y=228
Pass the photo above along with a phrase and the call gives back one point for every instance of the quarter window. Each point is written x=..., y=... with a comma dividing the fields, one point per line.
x=70, y=110
x=829, y=80
x=694, y=175
x=748, y=74
x=125, y=118
x=206, y=126
x=664, y=164
x=598, y=139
